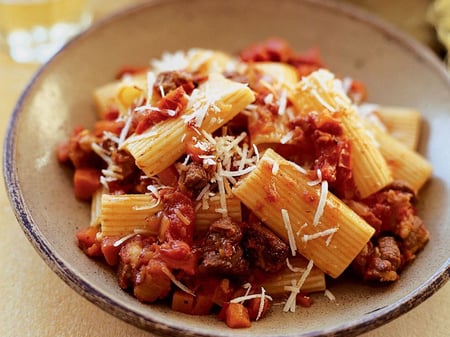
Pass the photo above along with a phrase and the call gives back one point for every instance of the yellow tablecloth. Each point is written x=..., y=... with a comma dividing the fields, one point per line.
x=35, y=302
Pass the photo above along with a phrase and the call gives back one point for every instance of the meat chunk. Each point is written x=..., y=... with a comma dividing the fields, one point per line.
x=195, y=177
x=144, y=265
x=264, y=248
x=398, y=230
x=151, y=283
x=170, y=80
x=379, y=262
x=221, y=250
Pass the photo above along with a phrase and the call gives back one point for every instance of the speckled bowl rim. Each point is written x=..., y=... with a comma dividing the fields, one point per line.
x=35, y=236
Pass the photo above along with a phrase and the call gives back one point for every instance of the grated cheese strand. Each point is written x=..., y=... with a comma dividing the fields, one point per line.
x=307, y=237
x=322, y=202
x=330, y=295
x=288, y=226
x=318, y=180
x=123, y=239
x=292, y=268
x=282, y=103
x=180, y=285
x=261, y=304
x=291, y=301
x=241, y=299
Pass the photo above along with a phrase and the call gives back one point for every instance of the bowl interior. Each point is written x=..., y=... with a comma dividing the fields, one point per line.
x=396, y=70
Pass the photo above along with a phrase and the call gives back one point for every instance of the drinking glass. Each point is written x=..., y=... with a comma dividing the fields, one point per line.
x=34, y=30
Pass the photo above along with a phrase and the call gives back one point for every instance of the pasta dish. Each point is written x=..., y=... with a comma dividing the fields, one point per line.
x=222, y=184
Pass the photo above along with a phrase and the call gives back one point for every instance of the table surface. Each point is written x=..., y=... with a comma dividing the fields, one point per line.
x=35, y=302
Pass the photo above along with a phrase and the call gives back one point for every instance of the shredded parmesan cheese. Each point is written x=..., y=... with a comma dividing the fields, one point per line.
x=282, y=103
x=287, y=137
x=292, y=268
x=180, y=285
x=330, y=237
x=241, y=299
x=123, y=239
x=290, y=304
x=322, y=202
x=307, y=237
x=288, y=226
x=318, y=180
x=275, y=168
x=330, y=295
x=182, y=217
x=261, y=304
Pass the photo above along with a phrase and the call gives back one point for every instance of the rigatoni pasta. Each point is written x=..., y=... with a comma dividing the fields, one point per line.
x=313, y=213
x=214, y=103
x=224, y=184
x=128, y=213
x=321, y=90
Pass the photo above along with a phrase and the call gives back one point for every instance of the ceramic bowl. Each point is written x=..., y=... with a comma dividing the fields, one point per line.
x=396, y=69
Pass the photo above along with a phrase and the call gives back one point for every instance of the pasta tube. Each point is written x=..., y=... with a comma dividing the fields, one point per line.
x=321, y=90
x=277, y=81
x=303, y=215
x=213, y=104
x=275, y=284
x=126, y=213
x=401, y=123
x=96, y=207
x=119, y=94
x=207, y=211
x=205, y=61
x=406, y=164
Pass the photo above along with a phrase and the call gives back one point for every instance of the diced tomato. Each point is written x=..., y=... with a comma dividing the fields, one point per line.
x=168, y=107
x=62, y=152
x=196, y=148
x=179, y=210
x=175, y=100
x=109, y=251
x=178, y=255
x=86, y=181
x=130, y=70
x=112, y=126
x=87, y=241
x=307, y=62
x=169, y=176
x=304, y=300
x=273, y=49
x=253, y=308
x=111, y=115
x=358, y=91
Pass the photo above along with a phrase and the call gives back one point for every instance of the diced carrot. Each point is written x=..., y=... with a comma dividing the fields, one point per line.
x=182, y=302
x=86, y=181
x=236, y=316
x=202, y=305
